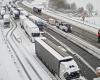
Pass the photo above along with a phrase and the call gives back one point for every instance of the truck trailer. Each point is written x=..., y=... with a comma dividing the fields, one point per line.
x=31, y=29
x=16, y=14
x=39, y=22
x=60, y=63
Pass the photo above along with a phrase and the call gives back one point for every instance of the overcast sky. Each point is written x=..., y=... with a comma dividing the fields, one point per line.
x=96, y=3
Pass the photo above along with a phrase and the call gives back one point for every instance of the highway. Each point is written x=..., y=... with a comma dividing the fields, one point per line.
x=85, y=70
x=89, y=37
x=25, y=50
x=86, y=35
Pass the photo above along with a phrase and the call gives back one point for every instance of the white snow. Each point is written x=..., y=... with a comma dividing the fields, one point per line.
x=8, y=70
x=93, y=20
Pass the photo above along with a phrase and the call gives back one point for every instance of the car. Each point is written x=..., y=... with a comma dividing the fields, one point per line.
x=37, y=10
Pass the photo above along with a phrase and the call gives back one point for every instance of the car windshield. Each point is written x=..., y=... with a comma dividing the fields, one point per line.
x=39, y=23
x=70, y=59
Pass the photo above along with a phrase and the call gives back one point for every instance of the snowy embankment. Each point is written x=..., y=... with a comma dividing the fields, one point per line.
x=91, y=27
x=8, y=70
x=28, y=51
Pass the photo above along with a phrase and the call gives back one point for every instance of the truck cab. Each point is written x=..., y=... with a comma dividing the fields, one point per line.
x=39, y=22
x=6, y=20
x=69, y=69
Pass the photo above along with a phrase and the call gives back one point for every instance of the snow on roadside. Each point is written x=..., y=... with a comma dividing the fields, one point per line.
x=7, y=67
x=93, y=20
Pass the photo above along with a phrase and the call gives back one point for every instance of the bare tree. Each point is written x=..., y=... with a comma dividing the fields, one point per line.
x=73, y=6
x=89, y=8
x=80, y=10
x=61, y=3
x=57, y=3
x=67, y=6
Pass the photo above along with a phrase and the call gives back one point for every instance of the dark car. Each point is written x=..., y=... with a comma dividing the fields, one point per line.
x=37, y=10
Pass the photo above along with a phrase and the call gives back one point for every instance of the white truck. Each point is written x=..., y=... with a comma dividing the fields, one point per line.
x=31, y=29
x=15, y=14
x=59, y=62
x=2, y=12
x=6, y=20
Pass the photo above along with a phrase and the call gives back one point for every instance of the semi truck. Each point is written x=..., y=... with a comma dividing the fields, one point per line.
x=9, y=7
x=6, y=20
x=15, y=14
x=39, y=22
x=31, y=29
x=59, y=62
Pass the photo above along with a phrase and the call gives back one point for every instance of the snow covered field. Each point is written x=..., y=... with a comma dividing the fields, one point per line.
x=8, y=70
x=94, y=21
